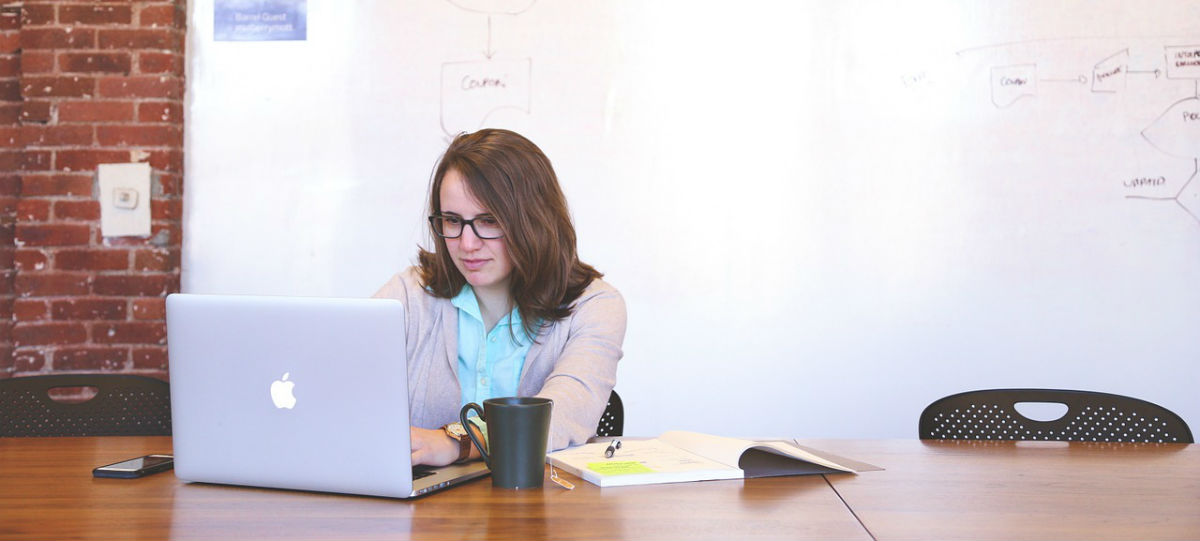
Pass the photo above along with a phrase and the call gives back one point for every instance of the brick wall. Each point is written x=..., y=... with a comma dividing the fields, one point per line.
x=84, y=83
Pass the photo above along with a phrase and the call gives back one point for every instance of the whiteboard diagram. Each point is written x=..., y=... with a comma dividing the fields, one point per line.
x=1176, y=132
x=472, y=90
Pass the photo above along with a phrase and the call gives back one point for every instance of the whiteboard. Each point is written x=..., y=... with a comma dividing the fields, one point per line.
x=822, y=215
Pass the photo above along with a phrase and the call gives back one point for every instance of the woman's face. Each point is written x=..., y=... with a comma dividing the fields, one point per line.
x=484, y=262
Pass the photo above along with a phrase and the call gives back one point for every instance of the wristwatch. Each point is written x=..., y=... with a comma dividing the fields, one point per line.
x=459, y=434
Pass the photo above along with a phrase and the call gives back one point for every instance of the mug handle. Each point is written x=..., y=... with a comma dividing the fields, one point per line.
x=462, y=419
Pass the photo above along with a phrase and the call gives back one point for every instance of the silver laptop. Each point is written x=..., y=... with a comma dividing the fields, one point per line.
x=295, y=393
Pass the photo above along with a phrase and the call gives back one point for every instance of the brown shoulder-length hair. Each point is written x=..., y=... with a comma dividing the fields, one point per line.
x=513, y=179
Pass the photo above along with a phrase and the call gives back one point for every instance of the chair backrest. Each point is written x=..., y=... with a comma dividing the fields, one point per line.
x=612, y=423
x=124, y=405
x=1091, y=416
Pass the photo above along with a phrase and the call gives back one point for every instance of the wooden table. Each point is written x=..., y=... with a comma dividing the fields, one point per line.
x=47, y=492
x=930, y=490
x=1022, y=490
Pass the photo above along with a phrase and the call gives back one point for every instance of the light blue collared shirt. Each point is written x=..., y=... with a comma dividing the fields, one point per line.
x=489, y=363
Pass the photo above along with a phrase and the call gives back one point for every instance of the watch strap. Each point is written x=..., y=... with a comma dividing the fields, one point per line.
x=457, y=432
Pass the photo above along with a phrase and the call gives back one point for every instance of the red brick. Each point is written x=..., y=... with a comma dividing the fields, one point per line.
x=10, y=18
x=87, y=160
x=42, y=334
x=66, y=86
x=40, y=136
x=57, y=38
x=170, y=185
x=147, y=285
x=10, y=90
x=37, y=14
x=10, y=113
x=91, y=358
x=169, y=15
x=49, y=285
x=160, y=39
x=10, y=42
x=166, y=209
x=53, y=234
x=142, y=136
x=95, y=111
x=150, y=358
x=160, y=260
x=36, y=111
x=96, y=260
x=167, y=63
x=96, y=62
x=11, y=66
x=167, y=160
x=31, y=260
x=95, y=14
x=8, y=206
x=161, y=111
x=10, y=137
x=11, y=160
x=130, y=333
x=33, y=210
x=159, y=87
x=30, y=310
x=88, y=309
x=77, y=210
x=28, y=360
x=37, y=62
x=36, y=160
x=10, y=185
x=155, y=309
x=49, y=185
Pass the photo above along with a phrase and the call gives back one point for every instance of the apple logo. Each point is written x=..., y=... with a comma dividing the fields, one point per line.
x=281, y=392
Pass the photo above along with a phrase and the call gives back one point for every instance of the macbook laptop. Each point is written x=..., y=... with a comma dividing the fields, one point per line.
x=295, y=393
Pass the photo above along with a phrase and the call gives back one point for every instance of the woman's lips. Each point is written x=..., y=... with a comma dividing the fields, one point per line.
x=474, y=264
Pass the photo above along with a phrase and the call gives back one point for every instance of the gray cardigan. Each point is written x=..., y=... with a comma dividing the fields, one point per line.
x=573, y=361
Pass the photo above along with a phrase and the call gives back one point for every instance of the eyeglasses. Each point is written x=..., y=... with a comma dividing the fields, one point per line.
x=451, y=227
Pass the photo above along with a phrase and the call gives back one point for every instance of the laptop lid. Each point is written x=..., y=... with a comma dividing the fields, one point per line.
x=295, y=393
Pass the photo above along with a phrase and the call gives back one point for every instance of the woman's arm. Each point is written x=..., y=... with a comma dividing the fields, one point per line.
x=584, y=373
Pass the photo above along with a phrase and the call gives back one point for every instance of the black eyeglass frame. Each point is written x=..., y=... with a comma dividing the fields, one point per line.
x=465, y=223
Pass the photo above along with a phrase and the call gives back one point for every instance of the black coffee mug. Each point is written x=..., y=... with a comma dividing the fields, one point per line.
x=518, y=429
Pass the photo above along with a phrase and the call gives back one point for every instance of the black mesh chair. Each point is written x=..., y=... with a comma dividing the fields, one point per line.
x=124, y=405
x=1091, y=416
x=612, y=423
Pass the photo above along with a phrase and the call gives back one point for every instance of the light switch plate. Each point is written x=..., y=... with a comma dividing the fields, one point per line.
x=124, y=199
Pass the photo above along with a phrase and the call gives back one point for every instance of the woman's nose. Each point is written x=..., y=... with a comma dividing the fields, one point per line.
x=469, y=240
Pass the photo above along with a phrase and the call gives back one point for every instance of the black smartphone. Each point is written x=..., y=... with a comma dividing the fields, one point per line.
x=136, y=467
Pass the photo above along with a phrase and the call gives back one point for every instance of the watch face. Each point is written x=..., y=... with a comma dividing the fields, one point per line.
x=456, y=430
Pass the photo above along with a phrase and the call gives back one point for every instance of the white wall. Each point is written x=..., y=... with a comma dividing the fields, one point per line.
x=822, y=216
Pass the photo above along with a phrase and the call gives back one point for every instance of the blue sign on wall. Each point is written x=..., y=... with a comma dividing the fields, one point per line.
x=260, y=20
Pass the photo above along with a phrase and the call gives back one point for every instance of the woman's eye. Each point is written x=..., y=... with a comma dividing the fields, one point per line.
x=488, y=221
x=452, y=220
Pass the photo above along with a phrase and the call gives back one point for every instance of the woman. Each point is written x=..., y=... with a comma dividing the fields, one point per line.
x=503, y=306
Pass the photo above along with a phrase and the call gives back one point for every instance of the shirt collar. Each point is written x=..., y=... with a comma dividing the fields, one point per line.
x=466, y=301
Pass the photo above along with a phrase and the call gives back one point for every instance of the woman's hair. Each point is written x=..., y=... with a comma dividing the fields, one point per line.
x=513, y=179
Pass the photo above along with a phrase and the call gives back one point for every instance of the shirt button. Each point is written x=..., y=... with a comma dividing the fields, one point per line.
x=483, y=381
x=493, y=339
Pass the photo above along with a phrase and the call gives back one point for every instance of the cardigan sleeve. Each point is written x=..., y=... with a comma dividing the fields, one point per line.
x=585, y=371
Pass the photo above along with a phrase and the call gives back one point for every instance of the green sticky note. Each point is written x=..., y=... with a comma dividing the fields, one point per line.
x=618, y=467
